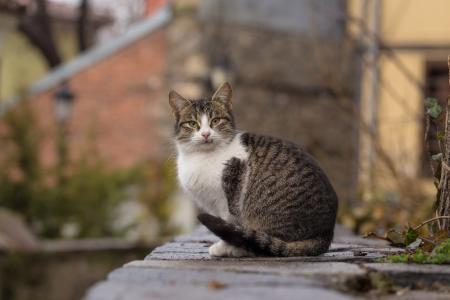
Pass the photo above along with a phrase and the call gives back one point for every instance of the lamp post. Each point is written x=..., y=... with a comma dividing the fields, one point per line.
x=63, y=106
x=63, y=103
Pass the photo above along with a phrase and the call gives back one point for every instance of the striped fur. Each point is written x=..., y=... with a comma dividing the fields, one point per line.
x=261, y=243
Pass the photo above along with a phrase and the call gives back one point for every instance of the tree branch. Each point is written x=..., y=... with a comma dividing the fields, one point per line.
x=82, y=26
x=37, y=29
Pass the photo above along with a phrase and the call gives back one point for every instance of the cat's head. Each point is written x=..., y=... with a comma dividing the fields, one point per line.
x=203, y=124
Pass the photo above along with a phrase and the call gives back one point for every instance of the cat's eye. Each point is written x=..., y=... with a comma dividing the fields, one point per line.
x=215, y=121
x=190, y=124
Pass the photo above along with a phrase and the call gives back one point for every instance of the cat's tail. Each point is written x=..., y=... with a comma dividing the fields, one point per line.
x=260, y=242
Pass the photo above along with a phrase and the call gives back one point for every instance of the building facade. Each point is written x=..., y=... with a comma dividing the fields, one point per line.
x=404, y=50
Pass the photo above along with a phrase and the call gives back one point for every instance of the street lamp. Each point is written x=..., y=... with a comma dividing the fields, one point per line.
x=63, y=104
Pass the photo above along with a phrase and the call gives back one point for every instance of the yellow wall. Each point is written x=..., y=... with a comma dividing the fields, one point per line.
x=412, y=21
x=406, y=21
x=21, y=63
x=404, y=24
x=400, y=112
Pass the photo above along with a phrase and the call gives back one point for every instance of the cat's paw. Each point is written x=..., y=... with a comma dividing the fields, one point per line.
x=222, y=249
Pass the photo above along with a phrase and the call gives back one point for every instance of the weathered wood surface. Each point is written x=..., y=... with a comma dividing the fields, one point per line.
x=182, y=269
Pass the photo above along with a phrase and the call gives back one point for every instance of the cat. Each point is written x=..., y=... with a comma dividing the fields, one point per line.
x=260, y=195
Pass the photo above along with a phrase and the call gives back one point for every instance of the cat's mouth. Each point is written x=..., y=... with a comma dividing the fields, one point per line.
x=205, y=143
x=208, y=141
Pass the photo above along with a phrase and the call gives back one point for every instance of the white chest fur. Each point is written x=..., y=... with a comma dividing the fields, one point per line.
x=200, y=174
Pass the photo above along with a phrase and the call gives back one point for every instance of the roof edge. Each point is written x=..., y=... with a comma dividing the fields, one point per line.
x=92, y=56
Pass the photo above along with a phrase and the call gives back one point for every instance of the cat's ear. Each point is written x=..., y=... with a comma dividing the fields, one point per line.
x=177, y=102
x=223, y=94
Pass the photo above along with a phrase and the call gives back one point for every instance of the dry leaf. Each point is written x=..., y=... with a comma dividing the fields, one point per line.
x=216, y=285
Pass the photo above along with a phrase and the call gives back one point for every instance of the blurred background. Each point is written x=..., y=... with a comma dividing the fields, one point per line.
x=87, y=175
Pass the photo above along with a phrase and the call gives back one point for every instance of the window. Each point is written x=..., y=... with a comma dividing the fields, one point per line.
x=436, y=86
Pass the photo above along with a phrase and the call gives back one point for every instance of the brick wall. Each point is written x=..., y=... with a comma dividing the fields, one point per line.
x=119, y=107
x=151, y=6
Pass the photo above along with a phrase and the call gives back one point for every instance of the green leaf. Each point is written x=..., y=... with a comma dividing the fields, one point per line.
x=419, y=257
x=433, y=109
x=437, y=157
x=399, y=258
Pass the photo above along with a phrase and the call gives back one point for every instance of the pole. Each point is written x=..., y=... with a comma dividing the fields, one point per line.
x=373, y=54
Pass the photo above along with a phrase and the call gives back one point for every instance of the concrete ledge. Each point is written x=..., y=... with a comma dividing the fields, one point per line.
x=182, y=269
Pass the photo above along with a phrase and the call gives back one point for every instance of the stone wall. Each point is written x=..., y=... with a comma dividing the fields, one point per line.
x=286, y=85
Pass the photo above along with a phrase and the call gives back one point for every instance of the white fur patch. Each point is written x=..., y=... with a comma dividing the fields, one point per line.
x=204, y=124
x=223, y=249
x=200, y=174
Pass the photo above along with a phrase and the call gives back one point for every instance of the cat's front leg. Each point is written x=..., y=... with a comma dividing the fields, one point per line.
x=232, y=183
x=223, y=249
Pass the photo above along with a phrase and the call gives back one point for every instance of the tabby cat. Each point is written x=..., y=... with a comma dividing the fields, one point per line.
x=260, y=195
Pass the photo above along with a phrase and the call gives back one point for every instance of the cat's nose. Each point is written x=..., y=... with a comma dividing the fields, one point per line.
x=206, y=134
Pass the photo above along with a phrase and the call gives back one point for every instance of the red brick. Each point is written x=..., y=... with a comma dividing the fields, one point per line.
x=113, y=100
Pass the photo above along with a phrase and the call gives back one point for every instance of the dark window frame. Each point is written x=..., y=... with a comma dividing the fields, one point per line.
x=436, y=86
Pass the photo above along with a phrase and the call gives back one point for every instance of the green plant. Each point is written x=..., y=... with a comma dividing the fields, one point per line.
x=158, y=184
x=84, y=203
x=431, y=243
x=422, y=244
x=439, y=255
x=20, y=169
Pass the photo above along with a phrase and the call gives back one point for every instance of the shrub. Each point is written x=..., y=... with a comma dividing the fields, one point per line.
x=78, y=200
x=439, y=255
